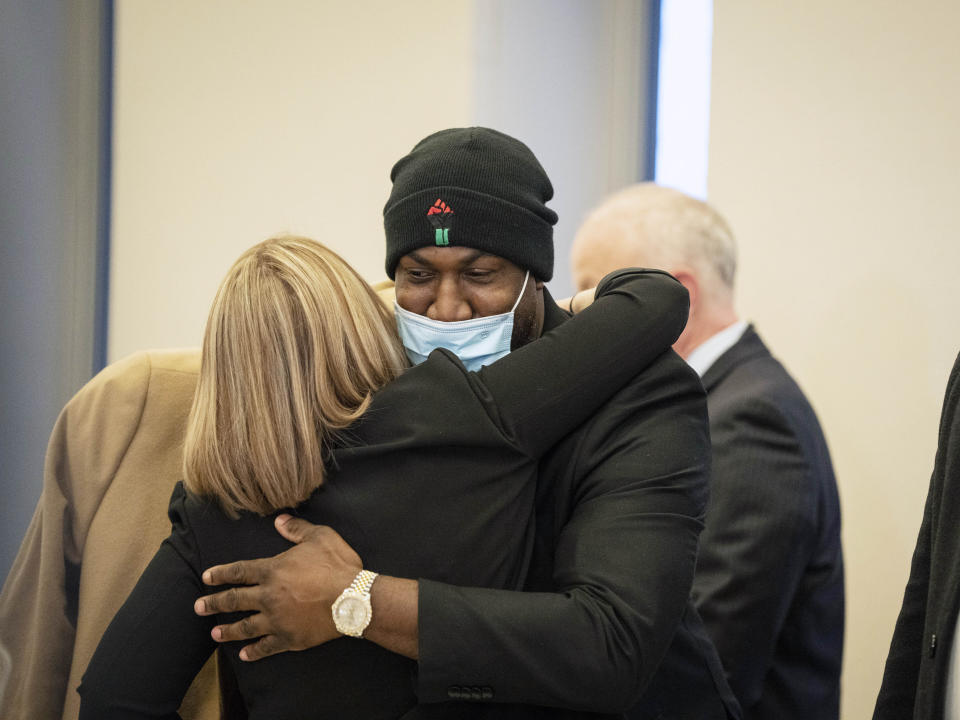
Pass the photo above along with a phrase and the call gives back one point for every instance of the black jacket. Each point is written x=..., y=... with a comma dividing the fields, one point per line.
x=915, y=676
x=607, y=622
x=769, y=582
x=437, y=479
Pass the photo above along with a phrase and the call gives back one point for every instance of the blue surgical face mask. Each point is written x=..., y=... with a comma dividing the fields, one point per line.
x=477, y=342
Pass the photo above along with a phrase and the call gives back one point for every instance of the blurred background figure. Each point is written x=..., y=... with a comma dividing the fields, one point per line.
x=922, y=675
x=98, y=522
x=769, y=580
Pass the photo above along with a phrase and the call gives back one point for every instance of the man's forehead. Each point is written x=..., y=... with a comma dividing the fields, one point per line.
x=451, y=256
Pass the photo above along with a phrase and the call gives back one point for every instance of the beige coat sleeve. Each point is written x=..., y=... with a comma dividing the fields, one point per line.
x=113, y=458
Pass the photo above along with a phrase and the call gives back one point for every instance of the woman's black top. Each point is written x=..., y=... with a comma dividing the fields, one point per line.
x=435, y=481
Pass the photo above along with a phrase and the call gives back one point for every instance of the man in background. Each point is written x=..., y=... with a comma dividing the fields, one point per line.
x=769, y=578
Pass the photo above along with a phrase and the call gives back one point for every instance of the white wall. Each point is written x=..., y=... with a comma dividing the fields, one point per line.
x=235, y=121
x=834, y=153
x=570, y=79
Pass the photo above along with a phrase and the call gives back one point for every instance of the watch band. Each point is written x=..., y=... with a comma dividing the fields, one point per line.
x=363, y=581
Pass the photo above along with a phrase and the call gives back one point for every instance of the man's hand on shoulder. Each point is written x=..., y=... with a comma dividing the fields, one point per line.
x=290, y=594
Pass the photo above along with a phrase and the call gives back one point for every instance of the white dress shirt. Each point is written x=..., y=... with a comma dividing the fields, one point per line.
x=706, y=353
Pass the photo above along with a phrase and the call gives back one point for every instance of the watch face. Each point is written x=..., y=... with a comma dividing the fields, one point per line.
x=352, y=613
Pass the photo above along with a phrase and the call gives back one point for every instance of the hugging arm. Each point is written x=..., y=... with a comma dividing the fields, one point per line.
x=546, y=389
x=539, y=393
x=635, y=484
x=623, y=560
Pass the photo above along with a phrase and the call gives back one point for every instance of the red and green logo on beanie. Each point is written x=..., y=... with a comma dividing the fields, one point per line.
x=439, y=216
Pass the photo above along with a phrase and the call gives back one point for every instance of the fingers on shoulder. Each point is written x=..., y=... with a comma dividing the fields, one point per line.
x=244, y=572
x=298, y=530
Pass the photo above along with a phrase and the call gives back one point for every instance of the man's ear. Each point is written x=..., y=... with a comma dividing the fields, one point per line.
x=688, y=279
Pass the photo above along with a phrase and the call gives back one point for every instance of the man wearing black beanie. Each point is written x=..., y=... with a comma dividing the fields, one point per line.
x=604, y=623
x=493, y=192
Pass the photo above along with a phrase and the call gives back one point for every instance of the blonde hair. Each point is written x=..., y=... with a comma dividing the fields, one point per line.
x=296, y=344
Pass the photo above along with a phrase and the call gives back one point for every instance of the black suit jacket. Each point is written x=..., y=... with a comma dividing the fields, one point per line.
x=915, y=676
x=769, y=580
x=606, y=619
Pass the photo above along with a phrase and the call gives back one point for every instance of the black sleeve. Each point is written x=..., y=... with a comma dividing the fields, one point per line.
x=544, y=390
x=636, y=480
x=898, y=691
x=155, y=644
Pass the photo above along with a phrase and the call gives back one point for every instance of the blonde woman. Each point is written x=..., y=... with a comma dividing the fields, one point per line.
x=306, y=402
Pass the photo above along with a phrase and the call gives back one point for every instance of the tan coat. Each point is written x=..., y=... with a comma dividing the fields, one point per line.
x=113, y=459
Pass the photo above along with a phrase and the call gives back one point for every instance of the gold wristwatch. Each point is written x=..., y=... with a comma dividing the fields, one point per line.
x=351, y=611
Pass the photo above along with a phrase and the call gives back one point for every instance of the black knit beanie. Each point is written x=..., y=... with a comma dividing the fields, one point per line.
x=472, y=187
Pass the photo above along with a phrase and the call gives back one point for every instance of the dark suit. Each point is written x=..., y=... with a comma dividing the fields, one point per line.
x=915, y=676
x=769, y=581
x=607, y=617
